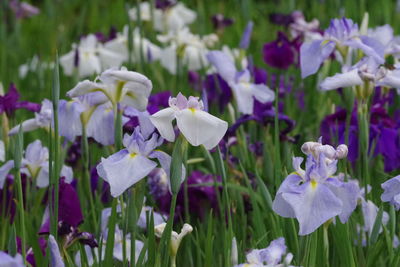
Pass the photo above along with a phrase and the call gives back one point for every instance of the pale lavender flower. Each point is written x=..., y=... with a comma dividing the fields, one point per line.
x=120, y=86
x=191, y=120
x=128, y=166
x=314, y=196
x=392, y=192
x=240, y=81
x=42, y=119
x=273, y=255
x=341, y=33
x=23, y=9
x=8, y=260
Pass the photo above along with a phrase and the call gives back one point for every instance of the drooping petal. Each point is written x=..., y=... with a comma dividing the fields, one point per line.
x=339, y=80
x=224, y=65
x=122, y=170
x=244, y=97
x=371, y=47
x=263, y=93
x=192, y=123
x=85, y=87
x=280, y=205
x=162, y=120
x=27, y=126
x=391, y=79
x=348, y=193
x=313, y=206
x=101, y=125
x=55, y=256
x=312, y=55
x=4, y=170
x=70, y=124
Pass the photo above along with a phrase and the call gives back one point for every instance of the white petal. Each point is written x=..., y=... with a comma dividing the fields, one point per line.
x=2, y=151
x=244, y=97
x=123, y=170
x=28, y=125
x=162, y=120
x=346, y=79
x=201, y=128
x=262, y=93
x=67, y=62
x=85, y=87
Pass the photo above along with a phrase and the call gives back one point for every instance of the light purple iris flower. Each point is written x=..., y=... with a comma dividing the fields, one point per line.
x=128, y=166
x=341, y=33
x=314, y=196
x=271, y=256
x=392, y=191
x=367, y=69
x=8, y=260
x=244, y=90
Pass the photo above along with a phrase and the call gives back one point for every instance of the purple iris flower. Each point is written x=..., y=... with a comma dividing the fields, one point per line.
x=315, y=195
x=10, y=102
x=383, y=133
x=158, y=101
x=201, y=198
x=105, y=188
x=280, y=53
x=392, y=192
x=341, y=32
x=69, y=210
x=220, y=22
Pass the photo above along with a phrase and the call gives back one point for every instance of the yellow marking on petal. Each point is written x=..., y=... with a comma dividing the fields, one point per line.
x=314, y=184
x=192, y=109
x=132, y=155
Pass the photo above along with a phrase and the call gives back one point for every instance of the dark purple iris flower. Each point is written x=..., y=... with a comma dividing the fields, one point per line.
x=112, y=34
x=165, y=4
x=220, y=22
x=69, y=217
x=384, y=134
x=105, y=195
x=216, y=89
x=281, y=53
x=74, y=153
x=158, y=101
x=9, y=102
x=69, y=209
x=281, y=19
x=201, y=198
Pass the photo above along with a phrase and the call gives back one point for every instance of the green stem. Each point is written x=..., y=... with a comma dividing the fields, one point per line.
x=111, y=234
x=21, y=214
x=86, y=175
